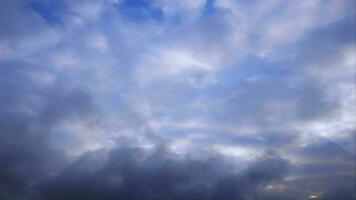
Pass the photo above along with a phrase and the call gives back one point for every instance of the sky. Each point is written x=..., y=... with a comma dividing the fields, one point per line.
x=177, y=99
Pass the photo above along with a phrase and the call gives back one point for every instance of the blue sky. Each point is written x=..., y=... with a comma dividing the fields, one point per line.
x=178, y=99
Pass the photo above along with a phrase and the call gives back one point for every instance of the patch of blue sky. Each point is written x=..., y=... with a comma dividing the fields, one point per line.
x=208, y=8
x=140, y=11
x=49, y=10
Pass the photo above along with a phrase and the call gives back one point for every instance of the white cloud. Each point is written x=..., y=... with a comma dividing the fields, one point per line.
x=172, y=63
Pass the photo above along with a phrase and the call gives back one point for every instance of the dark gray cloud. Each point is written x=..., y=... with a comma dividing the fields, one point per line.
x=28, y=113
x=129, y=173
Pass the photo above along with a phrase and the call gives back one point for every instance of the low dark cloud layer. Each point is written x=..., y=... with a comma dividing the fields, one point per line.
x=128, y=173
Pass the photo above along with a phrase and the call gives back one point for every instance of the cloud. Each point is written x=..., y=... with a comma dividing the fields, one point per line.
x=129, y=173
x=28, y=114
x=184, y=99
